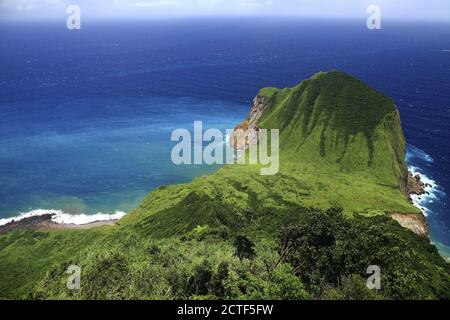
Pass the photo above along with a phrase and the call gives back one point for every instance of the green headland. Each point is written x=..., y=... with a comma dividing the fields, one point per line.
x=309, y=232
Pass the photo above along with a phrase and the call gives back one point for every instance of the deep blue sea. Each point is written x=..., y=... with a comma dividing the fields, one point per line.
x=86, y=116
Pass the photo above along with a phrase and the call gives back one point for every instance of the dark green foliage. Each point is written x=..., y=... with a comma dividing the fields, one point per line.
x=327, y=249
x=176, y=270
x=322, y=255
x=217, y=283
x=198, y=283
x=353, y=287
x=308, y=247
x=244, y=248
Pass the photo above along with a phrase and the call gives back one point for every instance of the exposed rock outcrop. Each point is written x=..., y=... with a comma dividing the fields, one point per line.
x=416, y=186
x=31, y=223
x=416, y=222
x=247, y=132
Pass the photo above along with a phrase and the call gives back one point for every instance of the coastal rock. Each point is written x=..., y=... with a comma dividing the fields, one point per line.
x=415, y=185
x=31, y=223
x=242, y=136
x=416, y=222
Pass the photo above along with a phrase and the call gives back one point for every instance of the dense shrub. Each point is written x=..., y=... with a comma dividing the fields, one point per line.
x=323, y=255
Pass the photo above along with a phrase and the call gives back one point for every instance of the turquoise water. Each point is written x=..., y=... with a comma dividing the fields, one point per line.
x=98, y=155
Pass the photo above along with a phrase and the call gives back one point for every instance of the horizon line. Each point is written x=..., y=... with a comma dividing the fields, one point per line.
x=214, y=16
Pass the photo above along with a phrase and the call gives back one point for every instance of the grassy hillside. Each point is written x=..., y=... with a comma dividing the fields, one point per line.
x=237, y=194
x=224, y=235
x=340, y=124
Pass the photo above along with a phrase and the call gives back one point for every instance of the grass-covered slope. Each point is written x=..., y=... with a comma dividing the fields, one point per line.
x=341, y=147
x=236, y=195
x=340, y=124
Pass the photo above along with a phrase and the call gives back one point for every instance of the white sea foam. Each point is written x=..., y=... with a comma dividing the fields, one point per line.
x=66, y=218
x=413, y=152
x=433, y=193
x=431, y=189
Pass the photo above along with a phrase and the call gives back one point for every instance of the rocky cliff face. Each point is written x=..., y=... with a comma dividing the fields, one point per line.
x=415, y=222
x=242, y=136
x=415, y=185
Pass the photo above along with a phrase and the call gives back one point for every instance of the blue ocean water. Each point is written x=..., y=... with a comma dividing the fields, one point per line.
x=86, y=116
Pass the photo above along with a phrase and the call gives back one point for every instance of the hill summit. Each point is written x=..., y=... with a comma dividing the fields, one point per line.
x=337, y=123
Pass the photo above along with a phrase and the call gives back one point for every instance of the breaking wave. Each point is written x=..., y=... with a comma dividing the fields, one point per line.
x=62, y=217
x=431, y=189
x=418, y=159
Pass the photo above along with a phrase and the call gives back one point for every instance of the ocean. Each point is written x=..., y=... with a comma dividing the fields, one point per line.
x=86, y=115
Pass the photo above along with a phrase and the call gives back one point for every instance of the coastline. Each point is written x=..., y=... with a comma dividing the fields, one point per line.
x=45, y=223
x=49, y=220
x=432, y=203
x=421, y=190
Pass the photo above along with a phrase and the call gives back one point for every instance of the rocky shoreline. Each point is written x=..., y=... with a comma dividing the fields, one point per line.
x=416, y=186
x=45, y=223
x=416, y=222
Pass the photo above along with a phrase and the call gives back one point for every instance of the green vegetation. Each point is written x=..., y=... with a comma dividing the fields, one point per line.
x=308, y=232
x=329, y=258
x=244, y=248
x=341, y=125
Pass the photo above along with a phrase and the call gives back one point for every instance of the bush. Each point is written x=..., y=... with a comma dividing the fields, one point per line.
x=244, y=248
